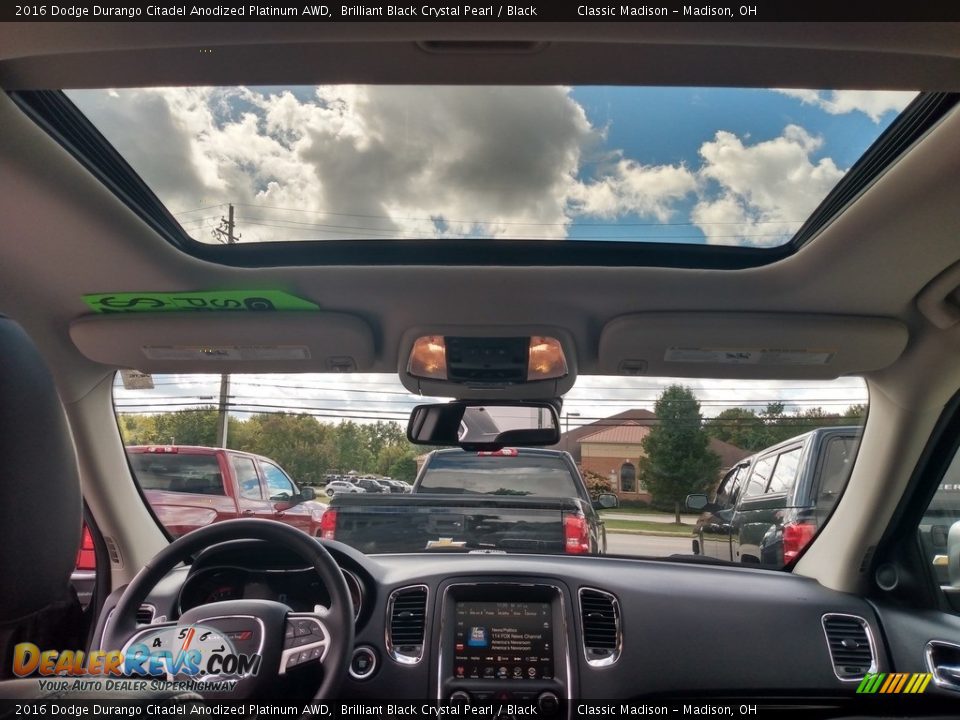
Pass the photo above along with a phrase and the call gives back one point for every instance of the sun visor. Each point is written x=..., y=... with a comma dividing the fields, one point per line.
x=748, y=345
x=216, y=342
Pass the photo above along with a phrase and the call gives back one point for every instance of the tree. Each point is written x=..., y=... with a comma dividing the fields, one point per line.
x=405, y=468
x=187, y=427
x=677, y=461
x=740, y=427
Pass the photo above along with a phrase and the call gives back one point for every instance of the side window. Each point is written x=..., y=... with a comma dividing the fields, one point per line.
x=247, y=479
x=278, y=484
x=838, y=457
x=736, y=485
x=729, y=486
x=785, y=474
x=942, y=514
x=760, y=476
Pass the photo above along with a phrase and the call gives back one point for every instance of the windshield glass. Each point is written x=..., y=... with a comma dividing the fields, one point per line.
x=718, y=166
x=329, y=454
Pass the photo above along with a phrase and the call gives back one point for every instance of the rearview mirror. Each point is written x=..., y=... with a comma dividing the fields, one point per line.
x=480, y=425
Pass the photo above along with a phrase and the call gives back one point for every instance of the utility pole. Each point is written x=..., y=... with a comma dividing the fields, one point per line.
x=224, y=234
x=223, y=416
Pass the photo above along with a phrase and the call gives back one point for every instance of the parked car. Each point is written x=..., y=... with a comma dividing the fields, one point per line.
x=189, y=487
x=522, y=500
x=371, y=485
x=768, y=507
x=398, y=486
x=342, y=486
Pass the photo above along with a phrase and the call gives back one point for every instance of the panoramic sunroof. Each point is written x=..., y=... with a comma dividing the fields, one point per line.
x=695, y=166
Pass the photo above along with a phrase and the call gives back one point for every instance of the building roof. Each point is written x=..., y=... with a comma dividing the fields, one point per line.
x=631, y=427
x=629, y=433
x=570, y=441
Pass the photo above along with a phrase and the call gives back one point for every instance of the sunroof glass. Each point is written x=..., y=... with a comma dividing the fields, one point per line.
x=736, y=167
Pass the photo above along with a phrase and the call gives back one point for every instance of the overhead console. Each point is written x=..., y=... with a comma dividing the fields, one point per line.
x=504, y=641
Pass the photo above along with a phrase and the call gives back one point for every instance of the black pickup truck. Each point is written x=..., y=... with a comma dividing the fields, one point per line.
x=511, y=500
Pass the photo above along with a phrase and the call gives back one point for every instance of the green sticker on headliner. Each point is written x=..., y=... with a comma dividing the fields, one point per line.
x=217, y=301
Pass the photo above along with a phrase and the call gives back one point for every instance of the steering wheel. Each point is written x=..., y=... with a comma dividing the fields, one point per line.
x=204, y=644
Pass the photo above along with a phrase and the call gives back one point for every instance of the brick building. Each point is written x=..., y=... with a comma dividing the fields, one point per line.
x=612, y=448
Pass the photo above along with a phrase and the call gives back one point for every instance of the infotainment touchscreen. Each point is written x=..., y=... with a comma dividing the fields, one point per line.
x=503, y=641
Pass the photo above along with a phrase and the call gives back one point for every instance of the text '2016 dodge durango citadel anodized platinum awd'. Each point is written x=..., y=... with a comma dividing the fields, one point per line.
x=499, y=369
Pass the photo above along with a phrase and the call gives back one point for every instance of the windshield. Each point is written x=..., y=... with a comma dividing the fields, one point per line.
x=330, y=455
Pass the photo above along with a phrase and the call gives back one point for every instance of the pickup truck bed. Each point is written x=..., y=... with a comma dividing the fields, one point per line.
x=452, y=522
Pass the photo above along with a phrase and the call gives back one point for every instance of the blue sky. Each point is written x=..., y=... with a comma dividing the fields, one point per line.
x=721, y=166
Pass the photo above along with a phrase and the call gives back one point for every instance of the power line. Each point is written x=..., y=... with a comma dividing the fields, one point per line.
x=514, y=222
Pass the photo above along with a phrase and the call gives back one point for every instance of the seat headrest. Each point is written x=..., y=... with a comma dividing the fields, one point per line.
x=40, y=501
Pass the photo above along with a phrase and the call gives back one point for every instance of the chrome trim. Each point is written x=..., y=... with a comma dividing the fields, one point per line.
x=373, y=666
x=870, y=641
x=324, y=643
x=153, y=612
x=564, y=635
x=938, y=680
x=406, y=659
x=614, y=654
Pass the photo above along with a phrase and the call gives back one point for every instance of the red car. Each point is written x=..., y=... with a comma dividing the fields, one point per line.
x=189, y=487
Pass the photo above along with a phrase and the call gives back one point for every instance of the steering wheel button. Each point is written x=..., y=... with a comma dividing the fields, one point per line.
x=303, y=627
x=315, y=653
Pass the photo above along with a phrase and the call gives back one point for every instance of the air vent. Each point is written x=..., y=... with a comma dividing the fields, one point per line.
x=851, y=646
x=406, y=613
x=602, y=631
x=145, y=614
x=113, y=551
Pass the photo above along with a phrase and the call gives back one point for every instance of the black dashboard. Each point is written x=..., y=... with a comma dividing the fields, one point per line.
x=538, y=628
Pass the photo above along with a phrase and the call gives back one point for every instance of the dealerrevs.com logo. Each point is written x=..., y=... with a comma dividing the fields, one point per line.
x=173, y=653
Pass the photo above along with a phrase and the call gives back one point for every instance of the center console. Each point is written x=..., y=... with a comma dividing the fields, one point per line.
x=505, y=642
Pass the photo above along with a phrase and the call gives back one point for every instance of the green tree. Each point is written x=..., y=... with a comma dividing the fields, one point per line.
x=187, y=427
x=136, y=429
x=405, y=468
x=740, y=427
x=677, y=460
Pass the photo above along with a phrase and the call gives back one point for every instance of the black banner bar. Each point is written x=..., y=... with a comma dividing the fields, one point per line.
x=480, y=11
x=739, y=707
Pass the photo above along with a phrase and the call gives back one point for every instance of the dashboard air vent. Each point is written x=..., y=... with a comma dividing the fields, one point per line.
x=851, y=645
x=602, y=631
x=145, y=614
x=406, y=623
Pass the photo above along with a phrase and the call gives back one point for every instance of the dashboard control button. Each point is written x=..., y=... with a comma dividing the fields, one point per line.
x=363, y=663
x=548, y=703
x=460, y=696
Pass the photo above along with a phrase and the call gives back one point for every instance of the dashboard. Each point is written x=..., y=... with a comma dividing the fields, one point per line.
x=545, y=629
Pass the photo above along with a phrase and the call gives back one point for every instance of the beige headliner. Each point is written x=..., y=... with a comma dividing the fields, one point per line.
x=65, y=235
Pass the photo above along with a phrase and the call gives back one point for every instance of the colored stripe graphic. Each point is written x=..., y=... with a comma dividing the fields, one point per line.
x=894, y=683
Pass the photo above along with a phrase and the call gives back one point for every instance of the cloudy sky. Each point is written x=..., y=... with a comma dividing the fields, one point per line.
x=722, y=166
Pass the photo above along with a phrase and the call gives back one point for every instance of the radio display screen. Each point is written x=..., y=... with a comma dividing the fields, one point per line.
x=503, y=641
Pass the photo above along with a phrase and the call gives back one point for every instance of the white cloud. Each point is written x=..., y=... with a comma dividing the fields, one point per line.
x=389, y=161
x=872, y=103
x=630, y=187
x=760, y=194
